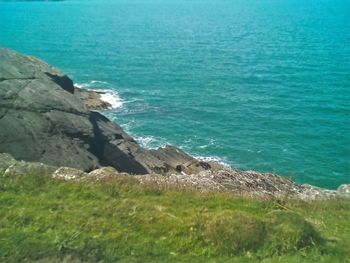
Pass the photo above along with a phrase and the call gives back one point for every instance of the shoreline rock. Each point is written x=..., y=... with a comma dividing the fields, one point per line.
x=92, y=99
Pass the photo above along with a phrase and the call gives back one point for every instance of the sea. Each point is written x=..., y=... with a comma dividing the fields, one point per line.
x=257, y=84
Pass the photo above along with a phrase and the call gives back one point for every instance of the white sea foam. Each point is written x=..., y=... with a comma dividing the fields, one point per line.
x=112, y=98
x=93, y=84
x=98, y=82
x=107, y=95
x=80, y=86
x=150, y=142
x=212, y=159
x=146, y=140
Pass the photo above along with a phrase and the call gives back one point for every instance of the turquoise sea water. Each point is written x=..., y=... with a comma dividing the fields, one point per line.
x=259, y=84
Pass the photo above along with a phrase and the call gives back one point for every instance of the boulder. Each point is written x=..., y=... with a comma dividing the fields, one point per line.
x=24, y=168
x=104, y=173
x=10, y=166
x=69, y=174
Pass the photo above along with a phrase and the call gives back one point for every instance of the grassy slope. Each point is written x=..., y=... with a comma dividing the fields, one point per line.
x=56, y=221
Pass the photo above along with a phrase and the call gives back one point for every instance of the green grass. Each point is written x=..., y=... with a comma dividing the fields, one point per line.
x=46, y=220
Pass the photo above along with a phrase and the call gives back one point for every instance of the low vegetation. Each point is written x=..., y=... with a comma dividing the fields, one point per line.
x=46, y=220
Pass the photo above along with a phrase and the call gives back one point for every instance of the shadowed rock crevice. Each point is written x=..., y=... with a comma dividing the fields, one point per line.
x=63, y=81
x=108, y=153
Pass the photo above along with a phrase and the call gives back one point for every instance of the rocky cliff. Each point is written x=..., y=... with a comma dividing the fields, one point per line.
x=44, y=119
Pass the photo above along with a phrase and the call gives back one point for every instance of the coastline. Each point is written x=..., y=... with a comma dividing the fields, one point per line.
x=220, y=177
x=103, y=100
x=81, y=143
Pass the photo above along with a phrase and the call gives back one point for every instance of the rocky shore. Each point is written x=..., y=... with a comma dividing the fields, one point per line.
x=92, y=99
x=49, y=126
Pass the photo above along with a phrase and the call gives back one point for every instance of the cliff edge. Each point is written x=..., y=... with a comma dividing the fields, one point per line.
x=43, y=119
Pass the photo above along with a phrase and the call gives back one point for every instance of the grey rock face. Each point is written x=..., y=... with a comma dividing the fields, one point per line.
x=40, y=119
x=43, y=120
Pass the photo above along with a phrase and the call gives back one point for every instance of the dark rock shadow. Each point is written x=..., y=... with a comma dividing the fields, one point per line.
x=108, y=153
x=63, y=81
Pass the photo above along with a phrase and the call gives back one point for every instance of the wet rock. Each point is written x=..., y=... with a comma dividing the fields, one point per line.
x=92, y=99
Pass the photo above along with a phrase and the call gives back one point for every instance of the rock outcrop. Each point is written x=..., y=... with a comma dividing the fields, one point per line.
x=92, y=99
x=243, y=183
x=43, y=119
x=219, y=179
